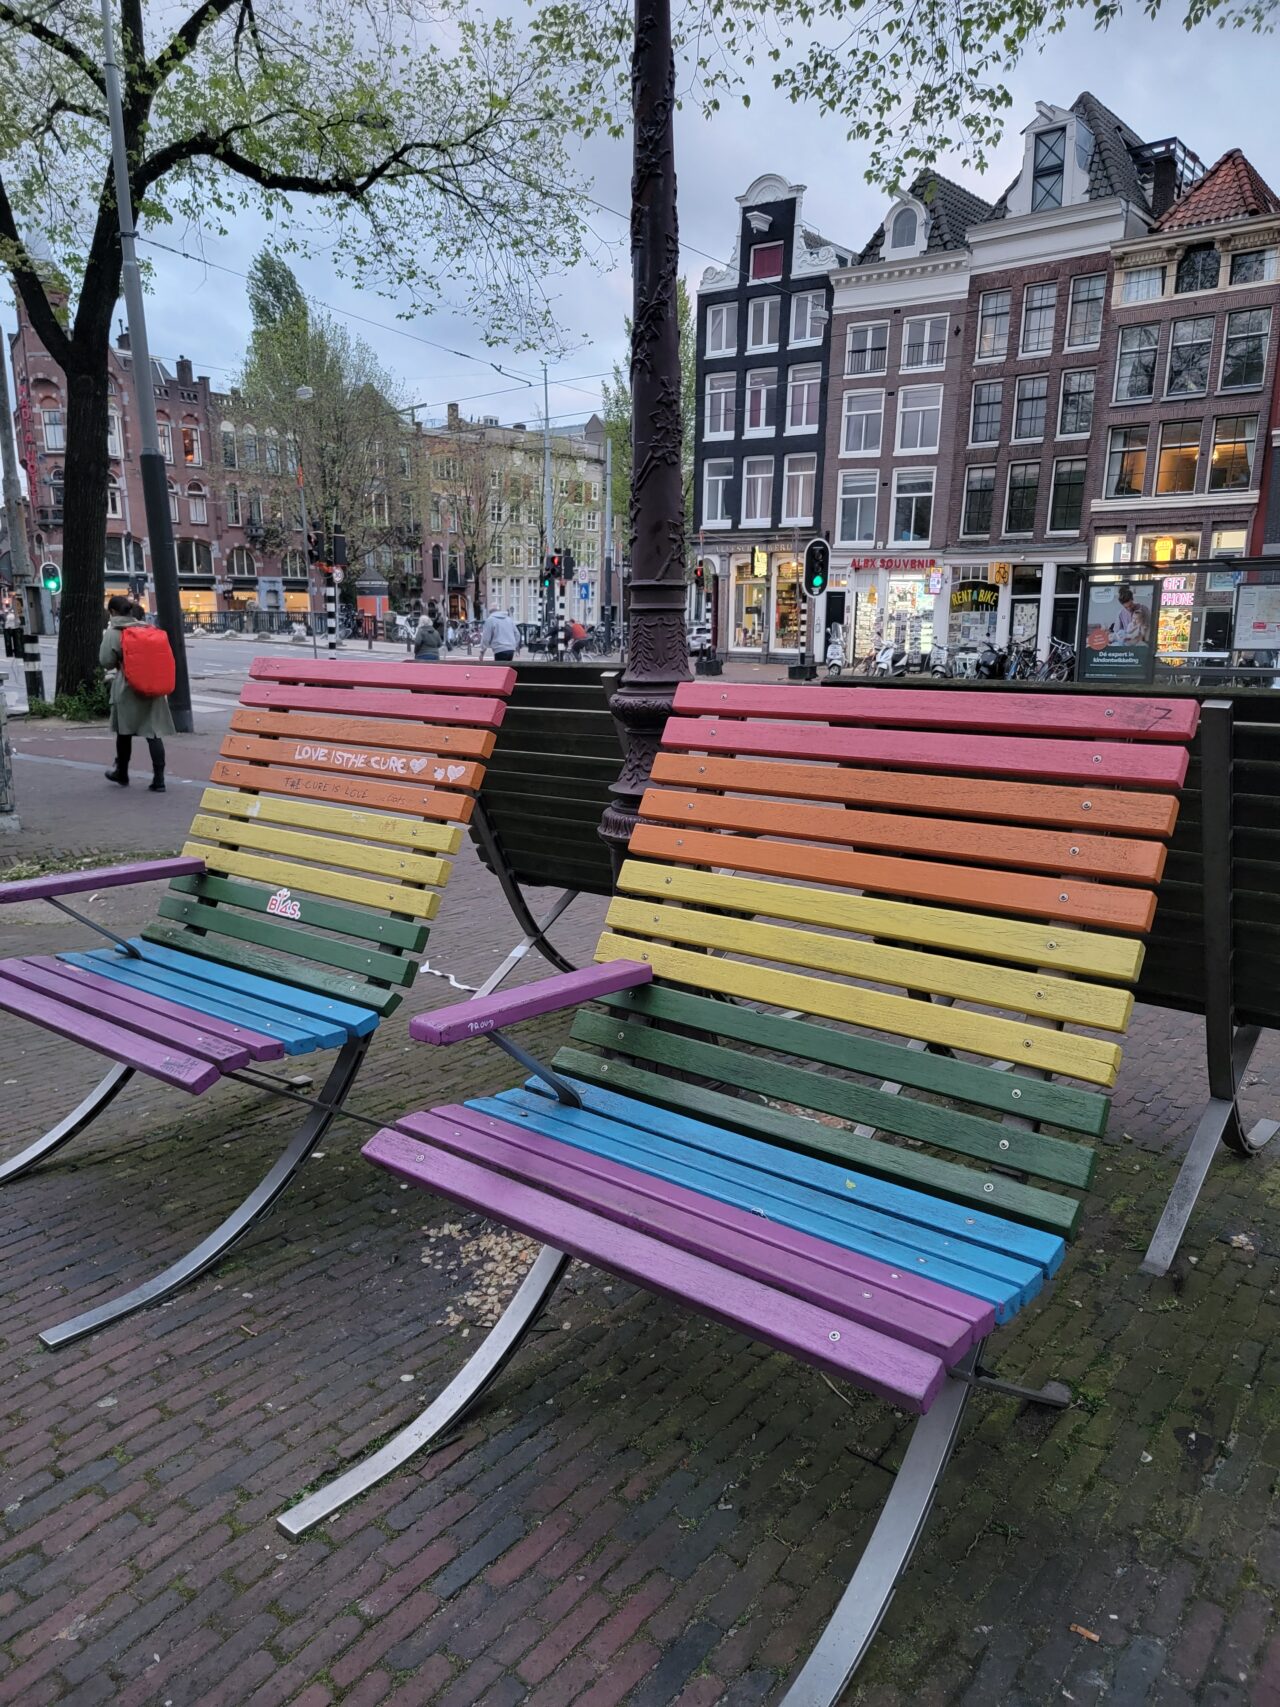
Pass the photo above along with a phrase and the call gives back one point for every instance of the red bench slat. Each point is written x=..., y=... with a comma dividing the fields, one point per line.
x=376, y=702
x=421, y=678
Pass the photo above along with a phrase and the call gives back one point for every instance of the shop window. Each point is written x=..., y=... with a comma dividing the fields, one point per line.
x=919, y=417
x=1039, y=307
x=722, y=329
x=856, y=516
x=1047, y=168
x=1031, y=406
x=757, y=491
x=1075, y=409
x=1142, y=284
x=1084, y=314
x=1198, y=269
x=993, y=323
x=1229, y=542
x=979, y=500
x=1168, y=547
x=1136, y=364
x=863, y=423
x=924, y=342
x=717, y=476
x=1020, y=500
x=1254, y=266
x=798, y=475
x=721, y=411
x=1189, y=348
x=867, y=348
x=1066, y=501
x=787, y=598
x=750, y=591
x=766, y=262
x=1244, y=351
x=984, y=418
x=762, y=401
x=912, y=506
x=1231, y=464
x=1179, y=457
x=1127, y=462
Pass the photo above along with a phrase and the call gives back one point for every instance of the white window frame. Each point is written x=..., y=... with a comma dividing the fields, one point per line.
x=1143, y=272
x=227, y=435
x=997, y=355
x=53, y=432
x=723, y=483
x=197, y=504
x=1062, y=396
x=899, y=449
x=869, y=327
x=197, y=461
x=872, y=479
x=899, y=475
x=813, y=377
x=811, y=299
x=763, y=304
x=751, y=521
x=1029, y=438
x=173, y=502
x=235, y=507
x=925, y=320
x=115, y=508
x=766, y=278
x=1080, y=279
x=164, y=432
x=115, y=443
x=845, y=414
x=1186, y=320
x=716, y=387
x=800, y=517
x=1045, y=348
x=765, y=432
x=1270, y=267
x=728, y=312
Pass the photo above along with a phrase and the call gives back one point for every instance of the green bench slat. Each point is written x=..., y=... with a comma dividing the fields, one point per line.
x=1029, y=1152
x=275, y=966
x=324, y=915
x=1045, y=1209
x=266, y=933
x=1038, y=1099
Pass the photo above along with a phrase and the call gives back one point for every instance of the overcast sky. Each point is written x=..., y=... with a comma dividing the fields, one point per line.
x=1213, y=89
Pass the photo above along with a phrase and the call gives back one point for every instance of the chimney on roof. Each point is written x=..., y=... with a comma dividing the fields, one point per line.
x=122, y=338
x=185, y=373
x=454, y=418
x=1164, y=183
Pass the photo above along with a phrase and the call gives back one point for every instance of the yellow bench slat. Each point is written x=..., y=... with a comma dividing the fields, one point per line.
x=1088, y=1058
x=341, y=820
x=358, y=856
x=313, y=879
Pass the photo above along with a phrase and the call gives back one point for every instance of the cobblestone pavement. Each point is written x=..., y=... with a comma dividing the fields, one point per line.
x=647, y=1509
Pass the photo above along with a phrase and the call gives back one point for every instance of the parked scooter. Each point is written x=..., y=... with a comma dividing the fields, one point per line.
x=991, y=663
x=891, y=660
x=938, y=663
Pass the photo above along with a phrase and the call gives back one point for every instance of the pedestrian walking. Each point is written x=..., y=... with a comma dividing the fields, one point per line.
x=500, y=633
x=427, y=638
x=144, y=678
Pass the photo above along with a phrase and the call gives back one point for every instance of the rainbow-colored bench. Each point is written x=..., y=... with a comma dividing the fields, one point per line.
x=834, y=899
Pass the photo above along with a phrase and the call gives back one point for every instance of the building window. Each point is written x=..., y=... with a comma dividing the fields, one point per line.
x=979, y=497
x=762, y=401
x=196, y=504
x=113, y=436
x=1075, y=410
x=1231, y=466
x=808, y=317
x=240, y=563
x=919, y=417
x=194, y=557
x=1031, y=405
x=1254, y=266
x=255, y=509
x=1244, y=350
x=249, y=449
x=867, y=348
x=1020, y=503
x=1084, y=314
x=984, y=416
x=721, y=406
x=912, y=506
x=1179, y=457
x=437, y=563
x=165, y=433
x=271, y=454
x=757, y=491
x=993, y=323
x=1127, y=462
x=1198, y=269
x=798, y=475
x=803, y=387
x=1047, y=166
x=762, y=323
x=766, y=262
x=1142, y=284
x=173, y=501
x=904, y=229
x=113, y=498
x=863, y=421
x=1066, y=501
x=191, y=453
x=1189, y=348
x=234, y=513
x=1136, y=364
x=54, y=429
x=228, y=447
x=722, y=329
x=924, y=342
x=716, y=476
x=1039, y=306
x=856, y=516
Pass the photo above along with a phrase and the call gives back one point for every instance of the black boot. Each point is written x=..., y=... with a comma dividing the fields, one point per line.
x=156, y=747
x=120, y=774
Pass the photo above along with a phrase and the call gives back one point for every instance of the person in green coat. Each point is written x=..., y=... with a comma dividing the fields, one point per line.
x=132, y=713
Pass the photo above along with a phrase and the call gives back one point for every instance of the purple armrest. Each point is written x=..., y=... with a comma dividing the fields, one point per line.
x=105, y=877
x=461, y=1020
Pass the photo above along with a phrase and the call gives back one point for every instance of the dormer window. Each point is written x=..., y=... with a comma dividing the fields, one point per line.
x=1198, y=269
x=1048, y=169
x=903, y=228
x=766, y=263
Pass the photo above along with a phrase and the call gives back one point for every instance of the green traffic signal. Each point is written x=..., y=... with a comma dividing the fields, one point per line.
x=817, y=562
x=51, y=577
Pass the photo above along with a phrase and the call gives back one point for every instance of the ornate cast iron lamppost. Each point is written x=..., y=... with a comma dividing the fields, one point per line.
x=657, y=648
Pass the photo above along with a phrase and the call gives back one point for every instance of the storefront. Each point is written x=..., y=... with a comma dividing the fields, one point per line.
x=766, y=603
x=1201, y=613
x=973, y=611
x=198, y=601
x=893, y=601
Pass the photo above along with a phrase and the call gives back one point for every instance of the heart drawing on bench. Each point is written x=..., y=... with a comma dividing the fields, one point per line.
x=417, y=766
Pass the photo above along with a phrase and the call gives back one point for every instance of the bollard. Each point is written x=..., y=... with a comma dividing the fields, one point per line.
x=331, y=614
x=30, y=649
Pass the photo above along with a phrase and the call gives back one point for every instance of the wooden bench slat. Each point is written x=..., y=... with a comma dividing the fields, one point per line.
x=307, y=1005
x=1118, y=857
x=314, y=879
x=299, y=974
x=429, y=738
x=355, y=922
x=1076, y=901
x=1121, y=717
x=1080, y=1057
x=907, y=1376
x=318, y=783
x=989, y=985
x=321, y=850
x=404, y=673
x=965, y=1081
x=333, y=820
x=945, y=1128
x=268, y=933
x=1095, y=762
x=375, y=702
x=1094, y=809
x=1089, y=952
x=120, y=1042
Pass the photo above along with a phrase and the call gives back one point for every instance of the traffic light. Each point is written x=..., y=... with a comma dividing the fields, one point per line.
x=817, y=567
x=550, y=569
x=314, y=552
x=568, y=565
x=51, y=577
x=699, y=573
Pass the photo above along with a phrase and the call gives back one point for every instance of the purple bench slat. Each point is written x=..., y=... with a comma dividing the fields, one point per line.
x=820, y=1273
x=825, y=1338
x=169, y=1065
x=564, y=990
x=105, y=877
x=185, y=1032
x=260, y=1046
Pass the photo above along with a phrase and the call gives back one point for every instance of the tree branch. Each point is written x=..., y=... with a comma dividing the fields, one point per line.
x=30, y=287
x=40, y=31
x=185, y=39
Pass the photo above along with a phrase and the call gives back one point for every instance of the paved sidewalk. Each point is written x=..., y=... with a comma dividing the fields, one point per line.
x=647, y=1509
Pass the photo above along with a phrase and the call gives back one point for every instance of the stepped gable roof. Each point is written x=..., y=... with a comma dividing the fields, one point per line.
x=1231, y=189
x=952, y=210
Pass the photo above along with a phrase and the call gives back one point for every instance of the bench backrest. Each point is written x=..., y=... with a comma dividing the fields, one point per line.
x=966, y=878
x=332, y=817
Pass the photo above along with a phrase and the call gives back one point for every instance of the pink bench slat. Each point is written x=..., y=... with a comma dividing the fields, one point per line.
x=897, y=1372
x=259, y=1045
x=422, y=678
x=376, y=702
x=564, y=990
x=104, y=877
x=169, y=1065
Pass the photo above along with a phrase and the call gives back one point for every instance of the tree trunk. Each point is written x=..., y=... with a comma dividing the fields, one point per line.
x=657, y=647
x=84, y=533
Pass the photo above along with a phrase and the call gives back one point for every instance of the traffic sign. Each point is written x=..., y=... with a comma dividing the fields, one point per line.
x=338, y=577
x=584, y=590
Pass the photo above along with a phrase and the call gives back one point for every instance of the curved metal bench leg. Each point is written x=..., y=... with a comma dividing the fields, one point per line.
x=863, y=1604
x=254, y=1207
x=67, y=1128
x=496, y=1350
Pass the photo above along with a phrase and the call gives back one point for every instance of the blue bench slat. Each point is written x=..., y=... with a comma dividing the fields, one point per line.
x=310, y=1005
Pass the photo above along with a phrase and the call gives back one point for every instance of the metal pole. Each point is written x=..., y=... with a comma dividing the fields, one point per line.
x=306, y=552
x=31, y=663
x=547, y=547
x=155, y=490
x=608, y=544
x=331, y=613
x=14, y=508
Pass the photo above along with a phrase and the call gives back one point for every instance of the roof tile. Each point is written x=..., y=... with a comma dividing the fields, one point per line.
x=1231, y=189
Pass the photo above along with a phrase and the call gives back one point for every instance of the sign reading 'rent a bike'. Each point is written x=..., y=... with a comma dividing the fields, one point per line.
x=1119, y=632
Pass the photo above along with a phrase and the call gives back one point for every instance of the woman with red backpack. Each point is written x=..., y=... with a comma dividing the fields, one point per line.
x=144, y=676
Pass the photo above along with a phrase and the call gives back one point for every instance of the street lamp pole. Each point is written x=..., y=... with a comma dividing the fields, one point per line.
x=657, y=646
x=304, y=394
x=155, y=486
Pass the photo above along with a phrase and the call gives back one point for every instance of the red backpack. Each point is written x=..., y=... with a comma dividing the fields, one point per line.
x=149, y=668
